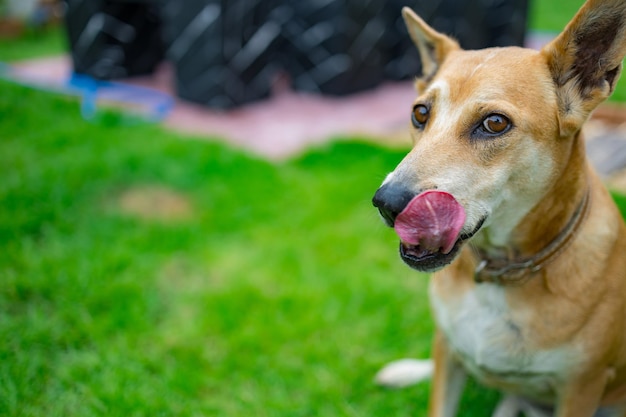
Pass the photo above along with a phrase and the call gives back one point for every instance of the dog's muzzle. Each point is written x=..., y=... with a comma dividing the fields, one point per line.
x=436, y=214
x=425, y=261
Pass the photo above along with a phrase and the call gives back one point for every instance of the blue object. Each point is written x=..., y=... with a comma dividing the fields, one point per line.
x=153, y=105
x=148, y=103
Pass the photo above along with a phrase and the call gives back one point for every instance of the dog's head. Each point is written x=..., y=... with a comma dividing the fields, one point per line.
x=493, y=130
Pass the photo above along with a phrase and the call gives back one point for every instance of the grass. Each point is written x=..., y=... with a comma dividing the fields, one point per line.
x=34, y=43
x=552, y=15
x=147, y=274
x=277, y=293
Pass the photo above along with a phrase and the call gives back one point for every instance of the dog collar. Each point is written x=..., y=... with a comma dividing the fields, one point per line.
x=502, y=271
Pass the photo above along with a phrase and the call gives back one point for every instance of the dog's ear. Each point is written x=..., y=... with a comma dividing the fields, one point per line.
x=433, y=46
x=585, y=60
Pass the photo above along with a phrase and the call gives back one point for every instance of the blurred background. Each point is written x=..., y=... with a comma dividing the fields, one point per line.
x=207, y=55
x=186, y=225
x=228, y=53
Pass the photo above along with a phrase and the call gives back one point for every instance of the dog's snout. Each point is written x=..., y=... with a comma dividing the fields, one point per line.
x=391, y=199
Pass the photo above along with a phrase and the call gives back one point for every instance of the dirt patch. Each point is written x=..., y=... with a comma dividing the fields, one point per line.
x=155, y=202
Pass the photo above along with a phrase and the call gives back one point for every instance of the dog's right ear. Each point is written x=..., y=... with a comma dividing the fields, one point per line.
x=585, y=60
x=433, y=46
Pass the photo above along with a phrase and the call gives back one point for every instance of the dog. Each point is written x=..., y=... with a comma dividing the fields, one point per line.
x=497, y=199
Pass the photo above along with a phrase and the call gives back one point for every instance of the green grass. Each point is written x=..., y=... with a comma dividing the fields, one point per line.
x=279, y=294
x=33, y=44
x=552, y=15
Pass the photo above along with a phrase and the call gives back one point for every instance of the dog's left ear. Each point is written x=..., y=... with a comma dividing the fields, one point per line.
x=585, y=60
x=433, y=46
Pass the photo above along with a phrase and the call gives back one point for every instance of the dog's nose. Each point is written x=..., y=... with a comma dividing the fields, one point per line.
x=391, y=199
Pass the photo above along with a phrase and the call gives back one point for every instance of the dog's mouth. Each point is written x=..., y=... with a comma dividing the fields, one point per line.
x=425, y=260
x=430, y=230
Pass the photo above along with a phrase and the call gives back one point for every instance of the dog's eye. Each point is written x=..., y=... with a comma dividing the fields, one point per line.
x=496, y=124
x=419, y=117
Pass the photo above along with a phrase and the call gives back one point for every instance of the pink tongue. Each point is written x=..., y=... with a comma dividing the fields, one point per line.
x=432, y=220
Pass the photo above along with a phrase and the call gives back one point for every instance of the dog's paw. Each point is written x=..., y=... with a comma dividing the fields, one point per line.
x=512, y=406
x=404, y=372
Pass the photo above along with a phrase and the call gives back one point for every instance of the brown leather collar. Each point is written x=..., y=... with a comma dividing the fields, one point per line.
x=504, y=271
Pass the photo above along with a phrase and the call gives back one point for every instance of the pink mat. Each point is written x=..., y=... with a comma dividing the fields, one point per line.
x=281, y=126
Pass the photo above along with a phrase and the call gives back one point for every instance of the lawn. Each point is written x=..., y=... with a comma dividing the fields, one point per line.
x=270, y=289
x=144, y=273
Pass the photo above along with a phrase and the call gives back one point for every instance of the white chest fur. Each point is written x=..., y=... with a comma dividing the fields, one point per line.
x=492, y=343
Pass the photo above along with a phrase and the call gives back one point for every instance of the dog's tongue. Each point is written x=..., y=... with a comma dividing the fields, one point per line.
x=432, y=220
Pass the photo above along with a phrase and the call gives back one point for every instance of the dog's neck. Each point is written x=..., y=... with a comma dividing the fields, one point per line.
x=548, y=226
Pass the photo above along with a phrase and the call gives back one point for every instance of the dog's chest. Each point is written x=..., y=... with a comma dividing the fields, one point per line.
x=491, y=342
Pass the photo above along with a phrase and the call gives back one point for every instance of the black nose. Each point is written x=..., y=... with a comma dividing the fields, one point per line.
x=391, y=199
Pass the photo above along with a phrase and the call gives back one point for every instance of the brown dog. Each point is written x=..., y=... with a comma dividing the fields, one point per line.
x=497, y=191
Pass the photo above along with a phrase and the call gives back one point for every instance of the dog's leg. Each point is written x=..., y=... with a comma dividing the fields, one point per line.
x=581, y=396
x=509, y=406
x=513, y=406
x=448, y=381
